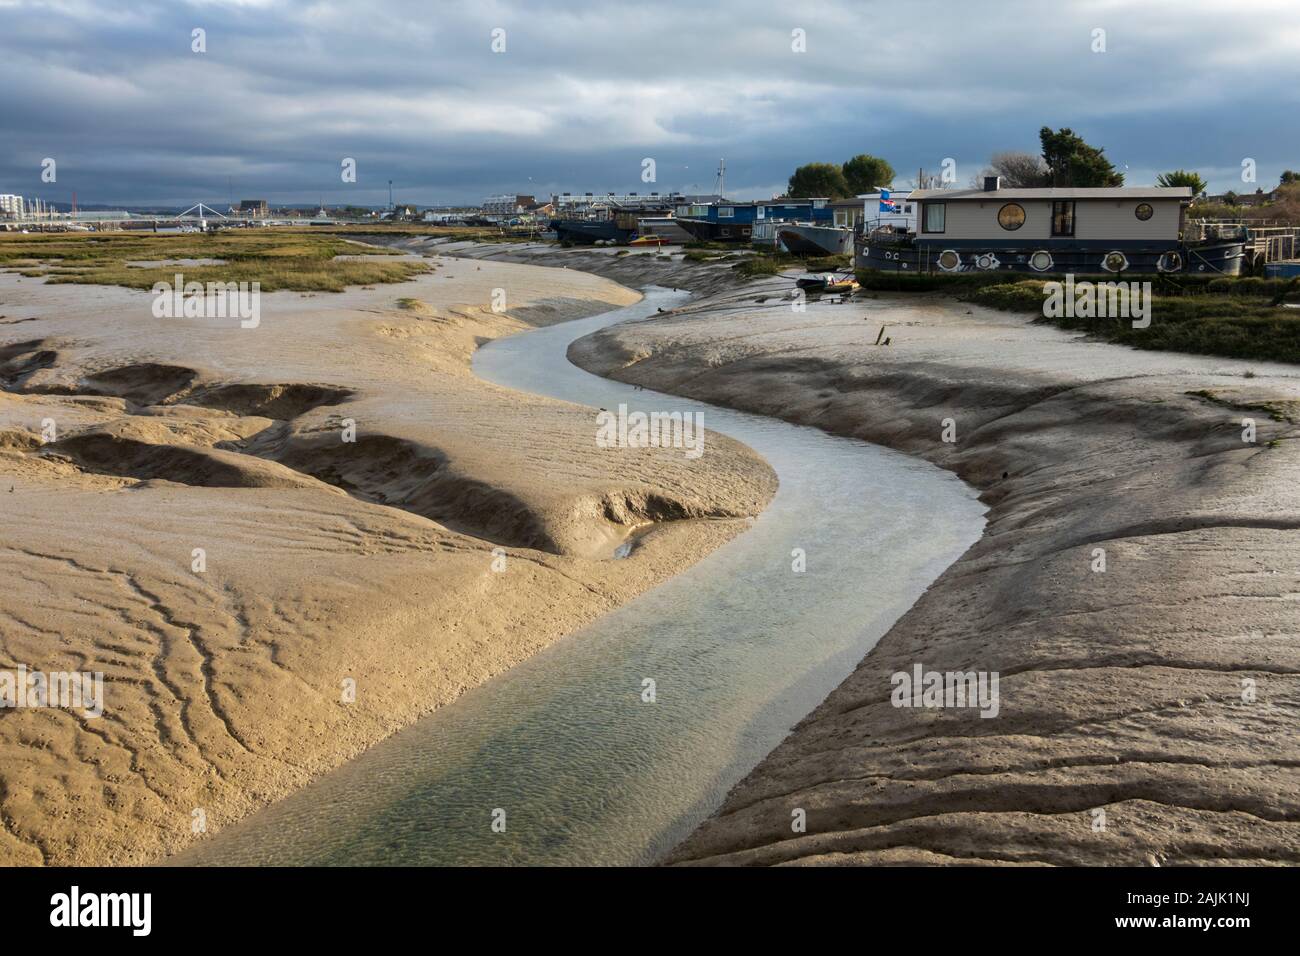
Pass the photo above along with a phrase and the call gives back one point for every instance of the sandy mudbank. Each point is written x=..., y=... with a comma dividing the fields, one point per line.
x=184, y=513
x=1147, y=711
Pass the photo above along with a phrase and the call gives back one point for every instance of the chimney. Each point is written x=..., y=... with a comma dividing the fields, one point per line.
x=992, y=183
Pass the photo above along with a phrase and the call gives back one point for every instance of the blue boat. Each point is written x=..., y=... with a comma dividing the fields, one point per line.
x=734, y=221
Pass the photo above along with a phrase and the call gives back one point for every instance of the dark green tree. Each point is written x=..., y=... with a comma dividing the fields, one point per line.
x=1182, y=177
x=818, y=180
x=863, y=173
x=1074, y=163
x=1289, y=177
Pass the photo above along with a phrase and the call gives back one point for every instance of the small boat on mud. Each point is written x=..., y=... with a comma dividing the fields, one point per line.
x=830, y=282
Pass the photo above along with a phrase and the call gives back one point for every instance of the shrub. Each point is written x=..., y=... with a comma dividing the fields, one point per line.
x=753, y=268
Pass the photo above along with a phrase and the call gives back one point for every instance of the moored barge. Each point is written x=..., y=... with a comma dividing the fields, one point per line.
x=1054, y=230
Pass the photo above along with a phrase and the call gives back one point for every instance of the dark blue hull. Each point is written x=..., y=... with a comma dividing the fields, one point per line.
x=705, y=231
x=1053, y=256
x=586, y=232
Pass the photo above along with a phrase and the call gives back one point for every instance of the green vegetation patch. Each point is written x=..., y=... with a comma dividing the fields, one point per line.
x=758, y=266
x=1232, y=325
x=299, y=261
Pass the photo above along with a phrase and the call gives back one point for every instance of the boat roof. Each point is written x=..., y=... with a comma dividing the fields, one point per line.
x=778, y=201
x=860, y=198
x=1059, y=193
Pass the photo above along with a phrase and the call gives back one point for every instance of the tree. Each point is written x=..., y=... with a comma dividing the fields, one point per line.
x=1017, y=171
x=818, y=180
x=864, y=173
x=1182, y=177
x=1289, y=177
x=1074, y=163
x=1286, y=207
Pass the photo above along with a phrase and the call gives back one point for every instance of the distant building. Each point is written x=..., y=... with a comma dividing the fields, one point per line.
x=567, y=204
x=253, y=208
x=11, y=206
x=1257, y=198
x=507, y=205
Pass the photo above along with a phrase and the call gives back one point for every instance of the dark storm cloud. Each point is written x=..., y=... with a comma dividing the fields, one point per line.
x=584, y=91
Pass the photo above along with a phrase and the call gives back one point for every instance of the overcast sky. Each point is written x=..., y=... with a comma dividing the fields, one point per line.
x=583, y=92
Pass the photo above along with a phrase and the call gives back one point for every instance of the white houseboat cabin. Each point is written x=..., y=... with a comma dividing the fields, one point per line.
x=1056, y=230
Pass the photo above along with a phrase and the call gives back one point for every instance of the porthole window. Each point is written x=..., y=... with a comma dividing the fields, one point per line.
x=949, y=260
x=1040, y=261
x=1011, y=216
x=1144, y=211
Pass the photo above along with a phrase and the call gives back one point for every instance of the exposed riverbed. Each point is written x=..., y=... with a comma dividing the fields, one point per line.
x=739, y=646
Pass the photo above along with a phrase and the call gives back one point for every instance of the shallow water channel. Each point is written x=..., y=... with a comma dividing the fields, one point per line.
x=740, y=647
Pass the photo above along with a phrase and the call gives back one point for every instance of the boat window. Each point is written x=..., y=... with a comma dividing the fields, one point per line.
x=907, y=208
x=1144, y=211
x=1063, y=219
x=935, y=216
x=1011, y=216
x=726, y=212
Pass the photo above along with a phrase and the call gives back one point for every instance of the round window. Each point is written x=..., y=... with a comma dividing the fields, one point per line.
x=1144, y=211
x=1011, y=216
x=1114, y=262
x=949, y=261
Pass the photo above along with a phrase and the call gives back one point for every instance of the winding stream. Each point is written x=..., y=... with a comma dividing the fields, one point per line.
x=739, y=646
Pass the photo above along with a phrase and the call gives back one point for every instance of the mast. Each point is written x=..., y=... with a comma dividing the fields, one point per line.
x=721, y=184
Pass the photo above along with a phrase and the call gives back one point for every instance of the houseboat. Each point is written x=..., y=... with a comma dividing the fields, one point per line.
x=611, y=220
x=588, y=232
x=806, y=239
x=1056, y=230
x=734, y=221
x=880, y=209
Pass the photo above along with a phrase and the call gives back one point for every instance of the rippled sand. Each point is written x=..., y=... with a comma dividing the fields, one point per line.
x=326, y=564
